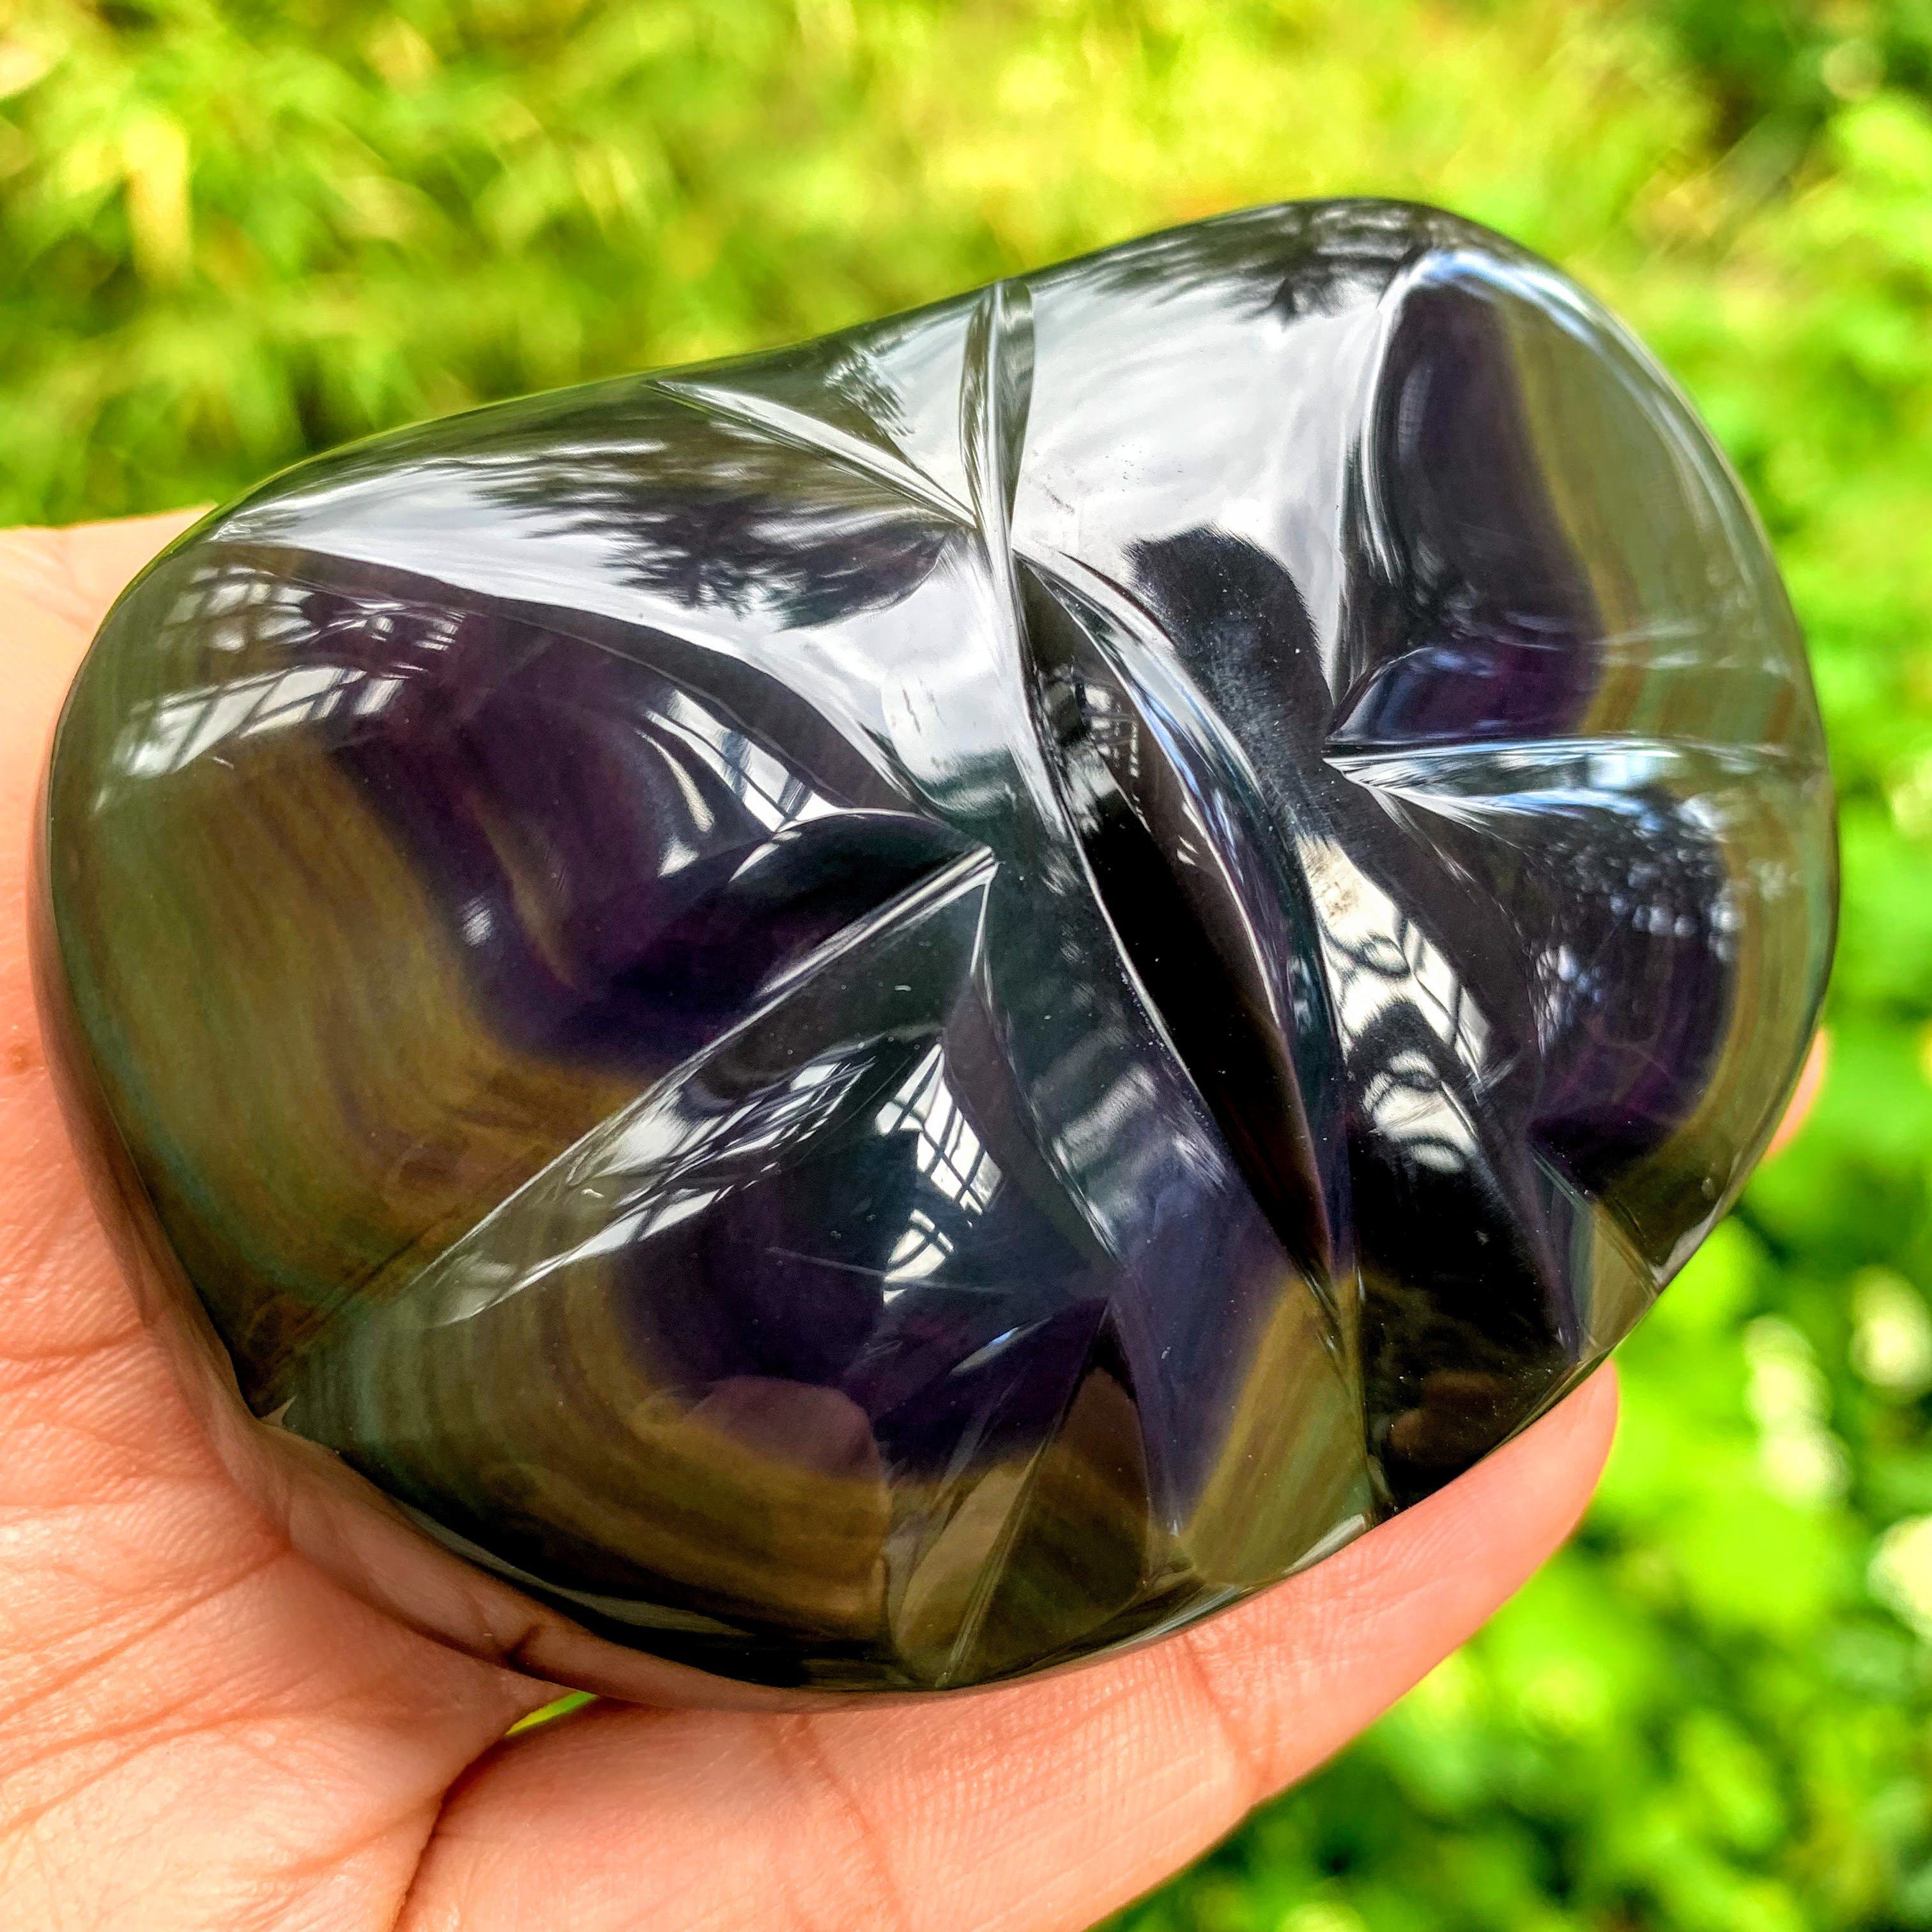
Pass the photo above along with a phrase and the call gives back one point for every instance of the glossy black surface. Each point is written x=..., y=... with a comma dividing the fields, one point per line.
x=879, y=1016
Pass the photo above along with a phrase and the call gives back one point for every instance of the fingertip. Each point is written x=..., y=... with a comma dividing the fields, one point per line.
x=104, y=557
x=1804, y=1095
x=1578, y=1433
x=56, y=586
x=1509, y=1512
x=1307, y=1664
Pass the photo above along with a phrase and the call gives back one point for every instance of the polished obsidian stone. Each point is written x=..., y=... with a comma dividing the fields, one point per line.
x=879, y=1016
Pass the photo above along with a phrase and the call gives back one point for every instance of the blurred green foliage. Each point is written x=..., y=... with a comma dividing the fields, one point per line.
x=232, y=234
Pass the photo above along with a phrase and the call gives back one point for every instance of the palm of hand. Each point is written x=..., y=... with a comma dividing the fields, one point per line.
x=198, y=1729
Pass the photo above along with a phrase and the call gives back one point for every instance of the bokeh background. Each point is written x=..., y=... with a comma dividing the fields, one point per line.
x=232, y=234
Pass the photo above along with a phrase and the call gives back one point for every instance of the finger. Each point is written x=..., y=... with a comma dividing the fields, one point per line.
x=60, y=582
x=1804, y=1095
x=1037, y=1807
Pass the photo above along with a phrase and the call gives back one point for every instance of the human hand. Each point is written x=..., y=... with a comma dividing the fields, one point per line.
x=199, y=1729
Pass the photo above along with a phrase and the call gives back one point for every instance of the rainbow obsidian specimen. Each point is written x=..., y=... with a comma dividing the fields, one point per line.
x=878, y=1017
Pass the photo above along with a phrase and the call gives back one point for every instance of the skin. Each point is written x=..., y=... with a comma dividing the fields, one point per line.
x=199, y=1729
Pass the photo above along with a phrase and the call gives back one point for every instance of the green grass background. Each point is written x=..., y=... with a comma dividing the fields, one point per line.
x=230, y=235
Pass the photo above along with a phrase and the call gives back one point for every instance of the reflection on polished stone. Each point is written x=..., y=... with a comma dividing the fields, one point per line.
x=882, y=1016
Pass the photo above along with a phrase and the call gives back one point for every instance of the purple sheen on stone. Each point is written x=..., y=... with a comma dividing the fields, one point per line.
x=883, y=1016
